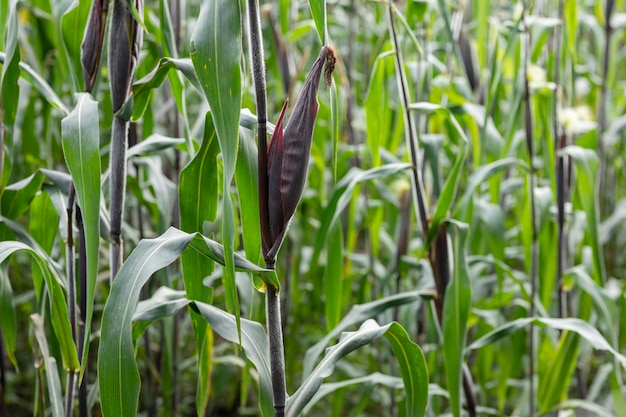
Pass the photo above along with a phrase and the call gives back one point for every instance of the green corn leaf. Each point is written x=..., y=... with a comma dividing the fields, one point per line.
x=318, y=10
x=581, y=327
x=333, y=387
x=479, y=177
x=409, y=356
x=164, y=303
x=216, y=56
x=153, y=144
x=556, y=379
x=358, y=314
x=251, y=336
x=456, y=308
x=17, y=197
x=246, y=176
x=197, y=196
x=586, y=162
x=343, y=194
x=55, y=393
x=59, y=317
x=8, y=321
x=81, y=146
x=9, y=87
x=118, y=376
x=71, y=22
x=142, y=89
x=446, y=199
x=378, y=115
x=333, y=277
x=37, y=81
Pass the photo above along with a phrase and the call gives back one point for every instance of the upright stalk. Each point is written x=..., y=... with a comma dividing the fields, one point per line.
x=83, y=410
x=411, y=135
x=559, y=142
x=124, y=44
x=608, y=30
x=438, y=252
x=535, y=244
x=274, y=325
x=71, y=296
x=277, y=353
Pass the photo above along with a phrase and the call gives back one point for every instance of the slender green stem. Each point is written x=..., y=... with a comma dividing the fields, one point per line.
x=277, y=354
x=416, y=177
x=559, y=142
x=83, y=410
x=71, y=296
x=258, y=74
x=439, y=252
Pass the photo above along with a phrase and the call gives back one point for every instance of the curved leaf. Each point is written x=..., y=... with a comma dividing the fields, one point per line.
x=55, y=392
x=118, y=376
x=358, y=314
x=456, y=308
x=581, y=327
x=58, y=305
x=81, y=146
x=343, y=194
x=408, y=354
x=586, y=162
x=37, y=81
x=153, y=143
x=253, y=339
x=216, y=56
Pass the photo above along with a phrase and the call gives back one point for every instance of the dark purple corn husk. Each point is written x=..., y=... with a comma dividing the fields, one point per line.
x=288, y=153
x=125, y=40
x=93, y=42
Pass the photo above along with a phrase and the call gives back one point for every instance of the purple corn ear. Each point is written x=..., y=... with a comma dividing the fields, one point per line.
x=288, y=153
x=93, y=41
x=125, y=40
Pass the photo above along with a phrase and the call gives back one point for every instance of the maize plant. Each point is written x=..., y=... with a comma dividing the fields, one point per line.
x=190, y=224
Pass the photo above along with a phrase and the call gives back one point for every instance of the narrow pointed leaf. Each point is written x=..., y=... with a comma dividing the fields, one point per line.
x=358, y=314
x=37, y=81
x=216, y=56
x=252, y=339
x=408, y=354
x=342, y=196
x=118, y=376
x=318, y=10
x=8, y=321
x=197, y=196
x=81, y=146
x=586, y=162
x=456, y=310
x=246, y=176
x=55, y=393
x=16, y=197
x=581, y=327
x=9, y=87
x=57, y=297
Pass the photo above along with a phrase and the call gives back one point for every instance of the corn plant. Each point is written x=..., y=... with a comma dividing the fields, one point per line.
x=229, y=207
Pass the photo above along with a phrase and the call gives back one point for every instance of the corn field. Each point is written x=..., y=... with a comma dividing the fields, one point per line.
x=312, y=208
